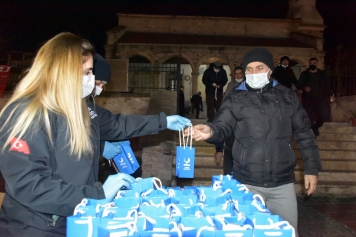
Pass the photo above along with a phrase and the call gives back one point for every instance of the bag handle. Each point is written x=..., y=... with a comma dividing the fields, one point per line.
x=88, y=221
x=175, y=210
x=83, y=203
x=243, y=188
x=256, y=198
x=276, y=225
x=187, y=141
x=176, y=228
x=208, y=228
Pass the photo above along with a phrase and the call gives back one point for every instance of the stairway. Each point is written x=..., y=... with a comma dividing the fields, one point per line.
x=337, y=144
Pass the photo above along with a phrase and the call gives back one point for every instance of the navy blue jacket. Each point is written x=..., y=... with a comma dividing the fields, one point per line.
x=46, y=180
x=263, y=122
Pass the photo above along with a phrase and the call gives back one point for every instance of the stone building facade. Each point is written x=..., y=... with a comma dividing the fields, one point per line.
x=202, y=40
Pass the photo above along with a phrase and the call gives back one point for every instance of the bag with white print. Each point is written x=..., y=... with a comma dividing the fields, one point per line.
x=126, y=161
x=271, y=225
x=86, y=217
x=233, y=226
x=185, y=156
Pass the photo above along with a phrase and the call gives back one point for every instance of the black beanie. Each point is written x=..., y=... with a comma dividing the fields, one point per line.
x=259, y=55
x=102, y=70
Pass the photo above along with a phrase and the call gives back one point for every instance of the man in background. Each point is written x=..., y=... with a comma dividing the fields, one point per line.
x=316, y=95
x=284, y=74
x=197, y=104
x=214, y=79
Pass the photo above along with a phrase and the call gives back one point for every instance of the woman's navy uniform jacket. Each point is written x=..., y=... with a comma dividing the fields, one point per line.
x=263, y=122
x=44, y=180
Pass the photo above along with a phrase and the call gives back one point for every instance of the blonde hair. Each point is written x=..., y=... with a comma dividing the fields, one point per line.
x=53, y=84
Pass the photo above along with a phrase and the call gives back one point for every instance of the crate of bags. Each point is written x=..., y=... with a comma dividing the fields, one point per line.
x=226, y=208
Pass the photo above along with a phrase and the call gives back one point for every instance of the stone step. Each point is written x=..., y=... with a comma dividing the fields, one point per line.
x=339, y=164
x=328, y=127
x=325, y=144
x=324, y=187
x=332, y=127
x=325, y=175
x=337, y=150
x=333, y=145
x=336, y=154
x=340, y=137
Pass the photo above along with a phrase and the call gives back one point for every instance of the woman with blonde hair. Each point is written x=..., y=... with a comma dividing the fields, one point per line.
x=50, y=140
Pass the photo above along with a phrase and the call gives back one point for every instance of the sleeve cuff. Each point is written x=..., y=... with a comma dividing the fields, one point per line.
x=311, y=172
x=162, y=121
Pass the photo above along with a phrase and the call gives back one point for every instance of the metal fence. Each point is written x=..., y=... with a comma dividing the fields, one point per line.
x=343, y=80
x=145, y=77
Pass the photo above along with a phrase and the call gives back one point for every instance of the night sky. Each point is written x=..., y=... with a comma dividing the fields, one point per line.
x=30, y=23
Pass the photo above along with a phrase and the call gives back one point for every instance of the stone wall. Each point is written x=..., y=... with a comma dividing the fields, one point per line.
x=198, y=25
x=340, y=110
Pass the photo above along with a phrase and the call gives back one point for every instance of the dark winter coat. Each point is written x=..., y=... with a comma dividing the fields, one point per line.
x=320, y=88
x=263, y=122
x=285, y=76
x=210, y=77
x=44, y=180
x=197, y=101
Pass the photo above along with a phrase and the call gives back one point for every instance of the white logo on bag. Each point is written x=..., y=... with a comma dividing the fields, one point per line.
x=122, y=163
x=187, y=164
x=130, y=158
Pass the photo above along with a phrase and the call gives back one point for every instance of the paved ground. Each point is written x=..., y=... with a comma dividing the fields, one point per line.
x=327, y=216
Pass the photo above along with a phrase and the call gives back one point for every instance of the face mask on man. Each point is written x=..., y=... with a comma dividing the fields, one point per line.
x=88, y=85
x=257, y=81
x=98, y=90
x=284, y=65
x=239, y=80
x=312, y=67
x=216, y=70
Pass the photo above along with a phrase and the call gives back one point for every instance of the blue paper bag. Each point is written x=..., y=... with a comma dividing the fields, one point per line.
x=185, y=156
x=186, y=160
x=126, y=161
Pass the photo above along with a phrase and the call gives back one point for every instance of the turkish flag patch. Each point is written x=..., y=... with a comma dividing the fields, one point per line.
x=20, y=146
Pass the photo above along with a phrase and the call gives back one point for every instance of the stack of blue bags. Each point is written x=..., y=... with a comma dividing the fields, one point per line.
x=226, y=208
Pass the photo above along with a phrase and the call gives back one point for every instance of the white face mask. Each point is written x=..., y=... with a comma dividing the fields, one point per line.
x=88, y=85
x=98, y=90
x=239, y=80
x=257, y=81
x=284, y=65
x=216, y=70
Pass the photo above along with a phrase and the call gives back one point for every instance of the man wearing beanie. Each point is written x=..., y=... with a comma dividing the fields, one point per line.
x=284, y=74
x=262, y=115
x=214, y=79
x=102, y=72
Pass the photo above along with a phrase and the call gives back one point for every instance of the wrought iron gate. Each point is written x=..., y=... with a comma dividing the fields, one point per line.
x=145, y=77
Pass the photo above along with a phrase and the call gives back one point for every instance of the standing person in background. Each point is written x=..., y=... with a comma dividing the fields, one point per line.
x=197, y=103
x=181, y=102
x=316, y=95
x=226, y=150
x=263, y=115
x=284, y=74
x=214, y=79
x=50, y=133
